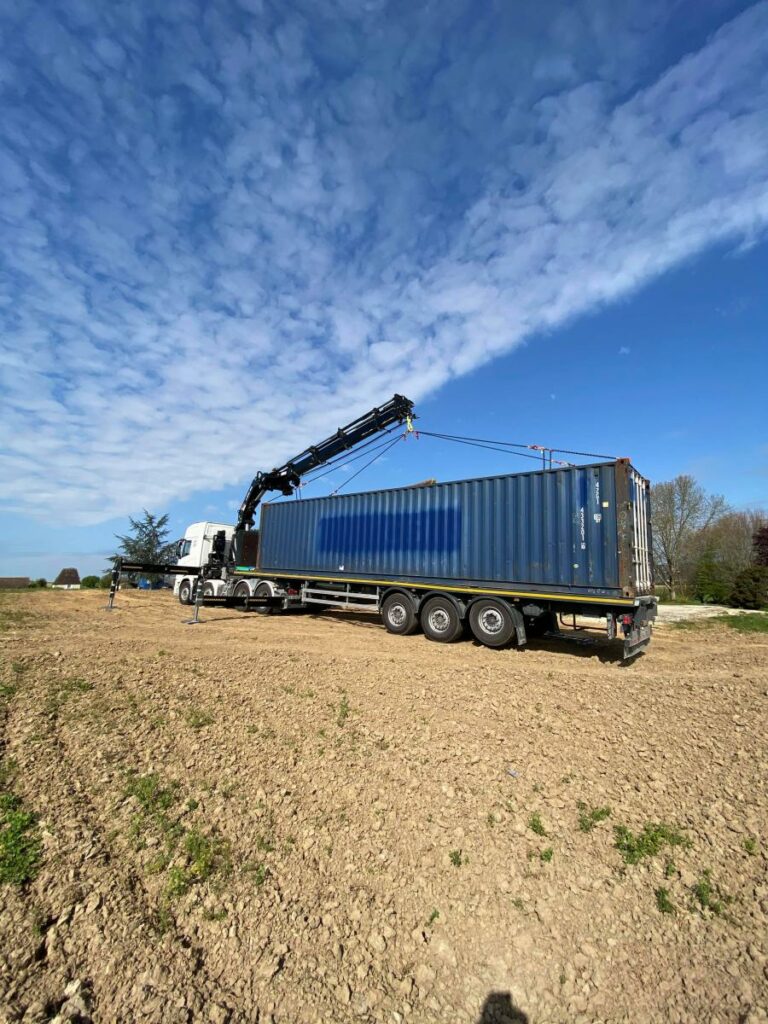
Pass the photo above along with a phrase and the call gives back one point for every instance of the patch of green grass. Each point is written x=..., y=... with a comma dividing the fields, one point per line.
x=433, y=917
x=647, y=843
x=7, y=692
x=152, y=795
x=62, y=690
x=750, y=845
x=591, y=816
x=163, y=919
x=547, y=855
x=456, y=858
x=518, y=904
x=8, y=770
x=161, y=653
x=536, y=825
x=21, y=847
x=670, y=869
x=215, y=915
x=12, y=617
x=197, y=719
x=343, y=714
x=258, y=870
x=204, y=857
x=178, y=884
x=663, y=902
x=265, y=845
x=490, y=820
x=207, y=855
x=709, y=896
x=756, y=622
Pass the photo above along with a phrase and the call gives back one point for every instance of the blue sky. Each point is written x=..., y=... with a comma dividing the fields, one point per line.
x=230, y=227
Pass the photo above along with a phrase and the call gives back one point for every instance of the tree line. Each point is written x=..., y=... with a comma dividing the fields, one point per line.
x=704, y=550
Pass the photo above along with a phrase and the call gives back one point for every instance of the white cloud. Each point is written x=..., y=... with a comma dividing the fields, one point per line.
x=224, y=248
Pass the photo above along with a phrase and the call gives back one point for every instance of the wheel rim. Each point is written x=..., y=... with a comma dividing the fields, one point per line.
x=439, y=620
x=397, y=614
x=491, y=621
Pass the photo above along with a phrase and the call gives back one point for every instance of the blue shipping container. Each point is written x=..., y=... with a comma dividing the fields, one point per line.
x=580, y=530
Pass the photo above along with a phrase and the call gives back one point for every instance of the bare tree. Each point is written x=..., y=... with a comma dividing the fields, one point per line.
x=681, y=508
x=731, y=538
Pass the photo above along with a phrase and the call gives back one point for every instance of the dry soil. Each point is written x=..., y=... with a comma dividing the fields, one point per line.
x=299, y=819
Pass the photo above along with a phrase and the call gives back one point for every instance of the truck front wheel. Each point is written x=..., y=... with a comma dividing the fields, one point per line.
x=491, y=623
x=441, y=621
x=185, y=592
x=398, y=615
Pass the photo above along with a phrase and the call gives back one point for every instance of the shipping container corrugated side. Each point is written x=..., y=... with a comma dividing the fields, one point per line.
x=580, y=531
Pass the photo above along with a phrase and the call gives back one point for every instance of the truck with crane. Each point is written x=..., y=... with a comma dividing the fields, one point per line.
x=502, y=557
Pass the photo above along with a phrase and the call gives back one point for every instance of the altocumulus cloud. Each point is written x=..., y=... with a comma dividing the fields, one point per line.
x=237, y=217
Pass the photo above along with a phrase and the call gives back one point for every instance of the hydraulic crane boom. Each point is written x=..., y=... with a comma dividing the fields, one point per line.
x=286, y=478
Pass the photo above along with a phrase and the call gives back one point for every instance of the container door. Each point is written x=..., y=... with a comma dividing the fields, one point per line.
x=642, y=566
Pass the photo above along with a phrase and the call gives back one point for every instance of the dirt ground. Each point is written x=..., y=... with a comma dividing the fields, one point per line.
x=299, y=819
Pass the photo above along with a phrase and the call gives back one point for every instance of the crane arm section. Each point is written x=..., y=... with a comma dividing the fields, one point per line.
x=287, y=478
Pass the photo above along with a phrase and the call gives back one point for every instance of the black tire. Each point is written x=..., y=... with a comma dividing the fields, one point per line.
x=185, y=592
x=491, y=623
x=441, y=621
x=398, y=615
x=263, y=590
x=242, y=589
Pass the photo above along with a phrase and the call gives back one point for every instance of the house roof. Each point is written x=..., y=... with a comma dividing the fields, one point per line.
x=67, y=577
x=13, y=582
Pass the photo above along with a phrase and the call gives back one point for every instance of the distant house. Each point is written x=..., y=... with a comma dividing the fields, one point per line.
x=68, y=579
x=14, y=582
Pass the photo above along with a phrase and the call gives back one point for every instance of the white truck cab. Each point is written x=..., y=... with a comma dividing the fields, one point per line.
x=194, y=549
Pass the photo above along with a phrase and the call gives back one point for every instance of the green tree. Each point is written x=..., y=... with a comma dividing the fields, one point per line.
x=105, y=582
x=750, y=588
x=760, y=545
x=712, y=584
x=146, y=542
x=89, y=582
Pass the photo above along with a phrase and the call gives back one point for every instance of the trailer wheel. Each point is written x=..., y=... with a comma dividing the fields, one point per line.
x=398, y=615
x=209, y=590
x=263, y=590
x=241, y=590
x=441, y=621
x=491, y=623
x=185, y=592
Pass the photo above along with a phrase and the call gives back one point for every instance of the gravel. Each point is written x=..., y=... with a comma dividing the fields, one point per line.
x=332, y=895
